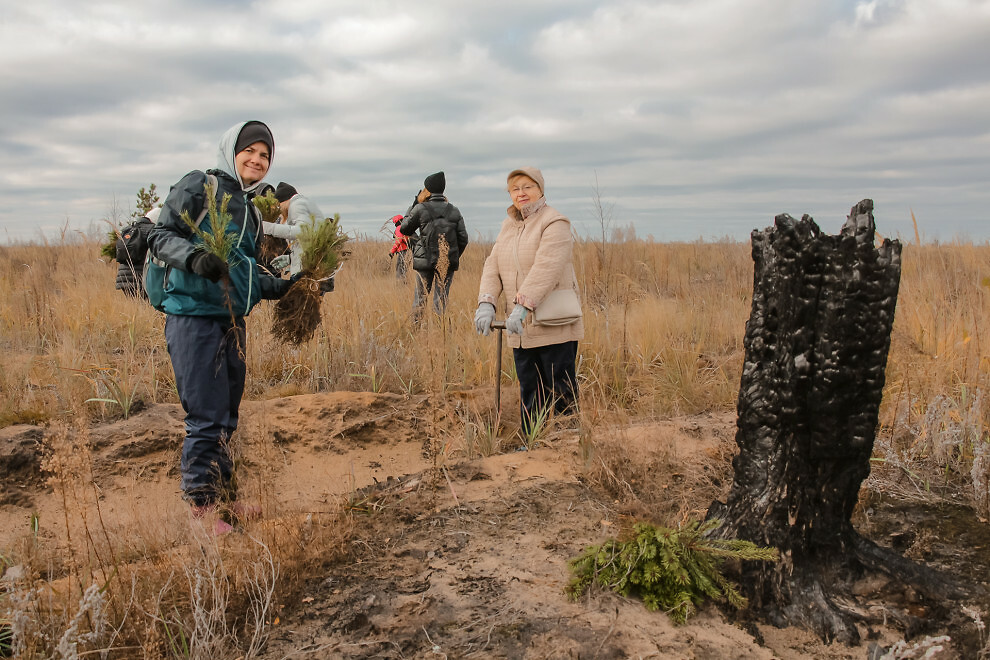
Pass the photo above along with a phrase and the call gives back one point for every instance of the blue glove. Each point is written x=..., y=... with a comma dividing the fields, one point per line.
x=514, y=324
x=483, y=318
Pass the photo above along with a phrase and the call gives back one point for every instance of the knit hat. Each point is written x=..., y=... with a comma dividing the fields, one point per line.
x=255, y=131
x=284, y=192
x=435, y=183
x=529, y=171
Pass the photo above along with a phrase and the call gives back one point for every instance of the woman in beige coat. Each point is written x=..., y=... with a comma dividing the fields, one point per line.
x=532, y=257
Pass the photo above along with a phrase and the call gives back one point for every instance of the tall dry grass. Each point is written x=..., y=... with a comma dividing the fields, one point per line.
x=155, y=586
x=664, y=327
x=664, y=332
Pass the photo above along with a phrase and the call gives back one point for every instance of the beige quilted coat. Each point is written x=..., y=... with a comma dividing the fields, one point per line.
x=532, y=256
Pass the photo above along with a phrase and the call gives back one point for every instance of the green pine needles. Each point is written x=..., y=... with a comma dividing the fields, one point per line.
x=322, y=244
x=297, y=313
x=268, y=206
x=218, y=240
x=671, y=570
x=109, y=248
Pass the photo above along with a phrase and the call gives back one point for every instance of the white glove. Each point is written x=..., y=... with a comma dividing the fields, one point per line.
x=278, y=230
x=514, y=324
x=281, y=262
x=483, y=318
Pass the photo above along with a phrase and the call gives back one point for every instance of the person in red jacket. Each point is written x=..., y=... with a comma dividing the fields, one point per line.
x=400, y=250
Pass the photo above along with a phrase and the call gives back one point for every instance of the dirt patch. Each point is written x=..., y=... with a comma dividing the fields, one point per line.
x=20, y=464
x=454, y=555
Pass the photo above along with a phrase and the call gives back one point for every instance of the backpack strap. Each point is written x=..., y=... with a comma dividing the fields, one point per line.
x=211, y=186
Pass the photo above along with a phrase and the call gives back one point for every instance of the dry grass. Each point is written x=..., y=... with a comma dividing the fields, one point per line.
x=664, y=327
x=667, y=340
x=127, y=588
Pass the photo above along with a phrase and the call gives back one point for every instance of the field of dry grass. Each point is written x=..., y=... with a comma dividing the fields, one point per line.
x=664, y=334
x=664, y=327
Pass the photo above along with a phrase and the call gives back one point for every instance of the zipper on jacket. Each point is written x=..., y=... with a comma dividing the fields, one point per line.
x=519, y=233
x=247, y=301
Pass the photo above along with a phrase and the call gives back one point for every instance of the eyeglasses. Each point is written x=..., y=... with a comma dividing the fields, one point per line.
x=526, y=189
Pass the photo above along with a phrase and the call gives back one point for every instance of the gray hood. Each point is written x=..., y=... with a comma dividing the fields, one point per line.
x=225, y=156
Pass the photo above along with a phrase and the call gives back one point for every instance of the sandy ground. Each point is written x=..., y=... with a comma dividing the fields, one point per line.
x=452, y=556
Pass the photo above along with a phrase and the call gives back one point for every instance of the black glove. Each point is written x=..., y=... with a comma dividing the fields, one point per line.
x=326, y=286
x=208, y=265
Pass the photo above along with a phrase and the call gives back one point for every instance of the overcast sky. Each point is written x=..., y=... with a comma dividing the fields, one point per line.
x=696, y=118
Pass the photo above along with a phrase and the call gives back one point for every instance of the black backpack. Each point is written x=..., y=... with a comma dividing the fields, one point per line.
x=132, y=246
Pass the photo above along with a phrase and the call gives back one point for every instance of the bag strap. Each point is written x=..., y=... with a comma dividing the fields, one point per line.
x=515, y=252
x=211, y=186
x=519, y=265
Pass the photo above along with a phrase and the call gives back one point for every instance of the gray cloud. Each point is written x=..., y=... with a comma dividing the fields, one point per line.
x=697, y=119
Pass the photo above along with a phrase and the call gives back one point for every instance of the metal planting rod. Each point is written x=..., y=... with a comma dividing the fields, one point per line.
x=500, y=326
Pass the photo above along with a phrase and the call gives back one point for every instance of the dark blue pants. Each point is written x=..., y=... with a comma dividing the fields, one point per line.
x=208, y=361
x=547, y=375
x=424, y=283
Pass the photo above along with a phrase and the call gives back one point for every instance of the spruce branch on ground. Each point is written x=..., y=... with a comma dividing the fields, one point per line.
x=671, y=570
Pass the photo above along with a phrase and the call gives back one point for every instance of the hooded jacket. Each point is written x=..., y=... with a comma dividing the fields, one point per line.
x=532, y=256
x=434, y=218
x=173, y=242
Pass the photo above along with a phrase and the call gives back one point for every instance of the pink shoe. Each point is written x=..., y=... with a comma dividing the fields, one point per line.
x=209, y=513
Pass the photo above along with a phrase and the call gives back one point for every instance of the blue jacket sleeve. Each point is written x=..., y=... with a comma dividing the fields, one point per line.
x=272, y=288
x=169, y=240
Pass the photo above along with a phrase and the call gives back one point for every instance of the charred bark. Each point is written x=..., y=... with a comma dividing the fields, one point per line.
x=816, y=349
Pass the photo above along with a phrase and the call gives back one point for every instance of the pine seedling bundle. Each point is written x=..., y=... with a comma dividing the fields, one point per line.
x=297, y=313
x=270, y=246
x=268, y=206
x=218, y=240
x=671, y=570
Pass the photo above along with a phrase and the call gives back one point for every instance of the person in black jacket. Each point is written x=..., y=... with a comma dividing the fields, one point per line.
x=441, y=242
x=132, y=248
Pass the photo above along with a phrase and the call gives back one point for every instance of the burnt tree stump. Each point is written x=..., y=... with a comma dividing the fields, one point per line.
x=815, y=353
